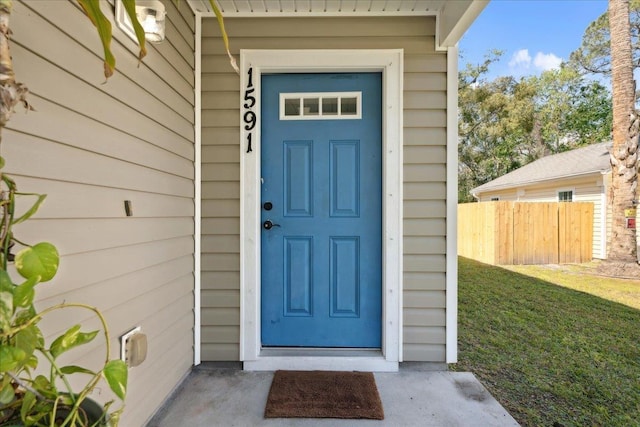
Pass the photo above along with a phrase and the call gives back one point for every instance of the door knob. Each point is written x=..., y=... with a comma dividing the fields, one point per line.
x=268, y=225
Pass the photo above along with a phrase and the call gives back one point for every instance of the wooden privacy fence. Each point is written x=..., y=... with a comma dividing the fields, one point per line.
x=502, y=233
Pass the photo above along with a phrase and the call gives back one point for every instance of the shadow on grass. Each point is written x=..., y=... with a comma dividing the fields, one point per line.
x=550, y=355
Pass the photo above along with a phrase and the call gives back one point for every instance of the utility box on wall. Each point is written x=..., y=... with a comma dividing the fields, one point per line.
x=630, y=217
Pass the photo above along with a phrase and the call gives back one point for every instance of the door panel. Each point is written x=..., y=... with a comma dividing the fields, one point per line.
x=321, y=260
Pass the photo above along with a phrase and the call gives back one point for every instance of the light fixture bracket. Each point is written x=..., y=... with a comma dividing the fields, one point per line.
x=150, y=14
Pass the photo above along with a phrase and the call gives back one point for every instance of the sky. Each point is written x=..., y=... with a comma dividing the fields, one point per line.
x=535, y=35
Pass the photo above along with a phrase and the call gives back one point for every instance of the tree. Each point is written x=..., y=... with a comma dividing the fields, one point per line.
x=624, y=153
x=505, y=123
x=494, y=120
x=594, y=54
x=570, y=111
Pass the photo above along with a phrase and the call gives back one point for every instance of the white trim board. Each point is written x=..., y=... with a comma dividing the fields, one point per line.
x=603, y=221
x=451, y=334
x=197, y=197
x=390, y=63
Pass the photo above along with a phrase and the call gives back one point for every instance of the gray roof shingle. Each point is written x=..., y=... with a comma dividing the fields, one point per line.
x=581, y=161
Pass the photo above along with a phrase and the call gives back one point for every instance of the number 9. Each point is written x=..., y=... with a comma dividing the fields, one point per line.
x=250, y=120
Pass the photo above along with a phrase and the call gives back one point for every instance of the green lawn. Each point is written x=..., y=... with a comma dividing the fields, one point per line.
x=550, y=355
x=581, y=278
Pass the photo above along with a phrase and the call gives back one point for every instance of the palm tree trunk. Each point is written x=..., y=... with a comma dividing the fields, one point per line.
x=11, y=92
x=624, y=153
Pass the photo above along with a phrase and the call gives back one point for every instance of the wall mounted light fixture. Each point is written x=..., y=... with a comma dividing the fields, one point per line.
x=151, y=15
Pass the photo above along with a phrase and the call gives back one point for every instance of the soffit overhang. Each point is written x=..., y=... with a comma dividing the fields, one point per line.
x=453, y=17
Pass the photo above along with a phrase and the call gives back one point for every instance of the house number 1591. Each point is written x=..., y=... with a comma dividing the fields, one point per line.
x=249, y=116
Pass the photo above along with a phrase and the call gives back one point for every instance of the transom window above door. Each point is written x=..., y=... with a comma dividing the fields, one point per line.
x=321, y=106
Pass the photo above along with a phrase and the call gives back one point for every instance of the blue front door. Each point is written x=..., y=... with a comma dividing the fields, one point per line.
x=321, y=210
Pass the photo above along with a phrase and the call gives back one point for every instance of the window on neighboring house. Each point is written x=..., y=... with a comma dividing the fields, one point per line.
x=565, y=196
x=495, y=199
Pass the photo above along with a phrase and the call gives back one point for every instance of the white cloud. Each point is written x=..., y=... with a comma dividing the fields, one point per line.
x=547, y=61
x=520, y=59
x=522, y=63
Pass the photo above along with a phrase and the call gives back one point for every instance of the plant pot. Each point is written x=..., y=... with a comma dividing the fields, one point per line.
x=95, y=413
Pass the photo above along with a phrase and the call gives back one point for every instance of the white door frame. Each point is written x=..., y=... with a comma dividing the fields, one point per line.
x=390, y=63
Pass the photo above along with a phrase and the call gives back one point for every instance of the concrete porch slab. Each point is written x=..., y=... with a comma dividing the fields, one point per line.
x=231, y=397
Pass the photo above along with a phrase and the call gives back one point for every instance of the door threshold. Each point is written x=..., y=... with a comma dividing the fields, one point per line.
x=321, y=359
x=319, y=352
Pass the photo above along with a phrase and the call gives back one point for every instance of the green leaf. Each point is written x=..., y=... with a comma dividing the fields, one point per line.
x=2, y=162
x=72, y=369
x=7, y=392
x=130, y=8
x=24, y=316
x=6, y=300
x=70, y=339
x=6, y=310
x=92, y=9
x=10, y=357
x=28, y=403
x=6, y=284
x=24, y=294
x=27, y=340
x=34, y=208
x=44, y=387
x=115, y=372
x=223, y=31
x=31, y=363
x=41, y=260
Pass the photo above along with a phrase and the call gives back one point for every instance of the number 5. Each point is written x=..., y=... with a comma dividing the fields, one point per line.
x=248, y=97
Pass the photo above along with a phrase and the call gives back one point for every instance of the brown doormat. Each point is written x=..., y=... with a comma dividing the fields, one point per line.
x=323, y=394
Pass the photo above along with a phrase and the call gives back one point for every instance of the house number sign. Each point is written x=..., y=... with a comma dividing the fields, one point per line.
x=249, y=116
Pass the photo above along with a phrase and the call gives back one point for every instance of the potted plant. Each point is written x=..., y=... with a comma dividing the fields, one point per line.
x=35, y=387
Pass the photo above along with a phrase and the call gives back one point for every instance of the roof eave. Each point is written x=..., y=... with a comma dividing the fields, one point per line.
x=454, y=20
x=475, y=193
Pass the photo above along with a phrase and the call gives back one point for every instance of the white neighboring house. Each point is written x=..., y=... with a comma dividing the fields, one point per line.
x=580, y=175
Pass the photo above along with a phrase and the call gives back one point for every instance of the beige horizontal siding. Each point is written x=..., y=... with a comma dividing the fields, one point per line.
x=220, y=351
x=425, y=154
x=221, y=316
x=423, y=281
x=425, y=190
x=425, y=82
x=425, y=245
x=503, y=195
x=423, y=351
x=318, y=28
x=68, y=199
x=418, y=316
x=159, y=154
x=424, y=335
x=425, y=227
x=412, y=45
x=425, y=167
x=90, y=146
x=90, y=168
x=424, y=136
x=220, y=280
x=424, y=208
